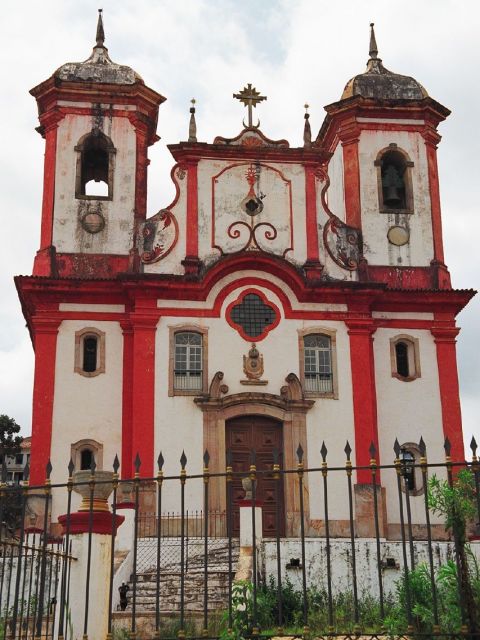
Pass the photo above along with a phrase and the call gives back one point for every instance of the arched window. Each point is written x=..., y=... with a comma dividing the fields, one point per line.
x=405, y=358
x=95, y=167
x=90, y=344
x=410, y=469
x=89, y=352
x=401, y=355
x=86, y=457
x=188, y=360
x=317, y=363
x=84, y=451
x=394, y=181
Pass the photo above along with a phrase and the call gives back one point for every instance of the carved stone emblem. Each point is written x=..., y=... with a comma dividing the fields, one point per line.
x=253, y=367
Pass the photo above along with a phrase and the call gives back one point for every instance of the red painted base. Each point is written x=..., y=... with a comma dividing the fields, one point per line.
x=80, y=522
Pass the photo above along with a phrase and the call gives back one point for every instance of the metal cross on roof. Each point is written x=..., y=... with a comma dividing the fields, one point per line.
x=250, y=96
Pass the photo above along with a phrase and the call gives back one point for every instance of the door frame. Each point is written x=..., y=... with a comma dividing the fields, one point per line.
x=289, y=407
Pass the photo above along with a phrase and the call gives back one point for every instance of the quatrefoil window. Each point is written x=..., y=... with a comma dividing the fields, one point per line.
x=252, y=315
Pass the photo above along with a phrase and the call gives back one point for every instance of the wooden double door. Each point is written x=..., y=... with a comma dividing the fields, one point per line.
x=262, y=435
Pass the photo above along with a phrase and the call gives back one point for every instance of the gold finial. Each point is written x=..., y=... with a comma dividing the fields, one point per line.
x=250, y=97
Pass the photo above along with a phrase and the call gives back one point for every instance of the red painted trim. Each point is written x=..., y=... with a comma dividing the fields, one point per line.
x=90, y=265
x=143, y=399
x=311, y=214
x=192, y=210
x=364, y=395
x=125, y=505
x=238, y=328
x=183, y=151
x=141, y=173
x=250, y=503
x=402, y=277
x=101, y=522
x=351, y=173
x=449, y=390
x=48, y=187
x=435, y=201
x=45, y=341
x=127, y=402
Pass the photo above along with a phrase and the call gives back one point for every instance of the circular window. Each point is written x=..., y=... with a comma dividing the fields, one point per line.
x=252, y=315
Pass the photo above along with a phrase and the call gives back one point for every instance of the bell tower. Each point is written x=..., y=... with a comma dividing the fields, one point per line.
x=383, y=136
x=98, y=119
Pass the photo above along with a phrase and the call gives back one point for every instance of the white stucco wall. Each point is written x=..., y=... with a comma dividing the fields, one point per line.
x=407, y=410
x=68, y=234
x=85, y=407
x=336, y=191
x=378, y=251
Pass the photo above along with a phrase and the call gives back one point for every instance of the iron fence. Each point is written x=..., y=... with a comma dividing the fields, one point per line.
x=309, y=584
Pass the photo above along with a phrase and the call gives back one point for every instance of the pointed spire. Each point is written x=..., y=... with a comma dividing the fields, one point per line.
x=307, y=131
x=373, y=52
x=192, y=128
x=100, y=32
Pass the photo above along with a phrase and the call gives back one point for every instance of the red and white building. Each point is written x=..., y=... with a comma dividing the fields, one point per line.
x=327, y=258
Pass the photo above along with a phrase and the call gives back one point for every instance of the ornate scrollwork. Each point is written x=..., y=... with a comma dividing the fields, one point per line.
x=252, y=243
x=160, y=235
x=343, y=243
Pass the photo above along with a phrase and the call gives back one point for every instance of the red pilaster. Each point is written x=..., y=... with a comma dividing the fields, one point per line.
x=442, y=276
x=312, y=267
x=364, y=393
x=191, y=262
x=449, y=390
x=42, y=263
x=127, y=398
x=45, y=332
x=351, y=171
x=143, y=393
x=141, y=171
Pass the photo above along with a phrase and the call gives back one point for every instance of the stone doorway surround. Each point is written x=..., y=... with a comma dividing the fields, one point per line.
x=290, y=407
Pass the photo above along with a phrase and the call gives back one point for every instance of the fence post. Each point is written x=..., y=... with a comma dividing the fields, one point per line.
x=90, y=536
x=245, y=561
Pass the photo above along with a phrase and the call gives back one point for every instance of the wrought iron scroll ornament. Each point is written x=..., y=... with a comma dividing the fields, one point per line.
x=252, y=205
x=346, y=251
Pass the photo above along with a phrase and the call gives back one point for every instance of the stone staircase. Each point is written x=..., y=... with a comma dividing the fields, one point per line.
x=170, y=575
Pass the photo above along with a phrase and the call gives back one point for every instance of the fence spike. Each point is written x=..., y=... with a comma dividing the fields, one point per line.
x=323, y=451
x=48, y=469
x=116, y=464
x=397, y=448
x=71, y=468
x=228, y=457
x=275, y=454
x=160, y=461
x=473, y=446
x=348, y=450
x=372, y=450
x=448, y=447
x=26, y=472
x=300, y=453
x=4, y=470
x=93, y=466
x=253, y=456
x=137, y=463
x=183, y=460
x=206, y=458
x=422, y=446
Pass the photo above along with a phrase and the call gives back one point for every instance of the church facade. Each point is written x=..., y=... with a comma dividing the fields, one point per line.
x=286, y=296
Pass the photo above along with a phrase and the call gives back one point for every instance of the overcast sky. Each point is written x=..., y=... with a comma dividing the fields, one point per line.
x=293, y=51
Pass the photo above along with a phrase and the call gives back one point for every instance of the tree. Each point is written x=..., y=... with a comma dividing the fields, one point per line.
x=455, y=500
x=10, y=441
x=10, y=501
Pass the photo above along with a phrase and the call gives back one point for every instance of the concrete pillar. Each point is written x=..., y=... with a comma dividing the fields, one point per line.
x=247, y=542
